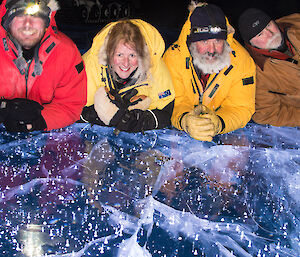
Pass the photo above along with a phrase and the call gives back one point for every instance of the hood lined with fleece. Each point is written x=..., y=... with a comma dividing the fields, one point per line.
x=52, y=4
x=20, y=62
x=153, y=50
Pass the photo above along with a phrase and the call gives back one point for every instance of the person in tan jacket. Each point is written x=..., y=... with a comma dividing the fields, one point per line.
x=275, y=48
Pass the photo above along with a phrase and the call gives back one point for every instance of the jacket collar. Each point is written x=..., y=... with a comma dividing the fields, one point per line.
x=41, y=54
x=261, y=55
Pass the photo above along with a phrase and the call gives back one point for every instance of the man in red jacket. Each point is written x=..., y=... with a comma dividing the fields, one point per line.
x=42, y=76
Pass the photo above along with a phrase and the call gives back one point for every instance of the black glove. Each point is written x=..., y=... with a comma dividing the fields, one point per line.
x=123, y=101
x=22, y=112
x=3, y=109
x=89, y=115
x=133, y=121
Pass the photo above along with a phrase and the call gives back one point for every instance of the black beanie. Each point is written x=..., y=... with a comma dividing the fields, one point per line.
x=18, y=7
x=207, y=22
x=252, y=22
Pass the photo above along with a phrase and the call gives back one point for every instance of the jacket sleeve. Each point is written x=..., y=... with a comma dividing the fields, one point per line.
x=162, y=90
x=274, y=105
x=92, y=71
x=239, y=104
x=163, y=116
x=130, y=118
x=182, y=104
x=137, y=120
x=69, y=95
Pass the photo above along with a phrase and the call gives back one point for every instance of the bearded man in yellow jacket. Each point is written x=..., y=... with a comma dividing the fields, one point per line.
x=213, y=75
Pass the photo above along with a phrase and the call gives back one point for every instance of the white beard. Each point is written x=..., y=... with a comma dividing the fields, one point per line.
x=200, y=60
x=274, y=42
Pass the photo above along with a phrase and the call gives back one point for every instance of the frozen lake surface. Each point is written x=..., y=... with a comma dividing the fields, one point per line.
x=82, y=191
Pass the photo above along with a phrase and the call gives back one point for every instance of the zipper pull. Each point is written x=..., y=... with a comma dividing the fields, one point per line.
x=200, y=99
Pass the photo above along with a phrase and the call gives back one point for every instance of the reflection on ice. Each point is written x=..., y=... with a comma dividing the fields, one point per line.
x=84, y=192
x=294, y=186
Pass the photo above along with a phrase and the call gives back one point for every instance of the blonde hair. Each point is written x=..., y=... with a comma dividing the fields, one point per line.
x=130, y=34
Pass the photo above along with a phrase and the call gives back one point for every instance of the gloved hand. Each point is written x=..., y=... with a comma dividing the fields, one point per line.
x=133, y=121
x=3, y=109
x=23, y=115
x=123, y=101
x=89, y=115
x=201, y=123
x=111, y=113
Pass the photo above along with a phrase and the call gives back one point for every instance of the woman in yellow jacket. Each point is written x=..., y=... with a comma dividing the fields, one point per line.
x=210, y=102
x=129, y=86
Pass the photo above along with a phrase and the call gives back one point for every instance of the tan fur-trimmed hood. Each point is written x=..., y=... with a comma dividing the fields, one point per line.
x=96, y=60
x=142, y=72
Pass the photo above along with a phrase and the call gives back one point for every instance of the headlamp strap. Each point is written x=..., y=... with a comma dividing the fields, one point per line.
x=208, y=29
x=212, y=29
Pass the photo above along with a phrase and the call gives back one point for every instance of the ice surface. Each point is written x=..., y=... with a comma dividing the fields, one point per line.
x=82, y=191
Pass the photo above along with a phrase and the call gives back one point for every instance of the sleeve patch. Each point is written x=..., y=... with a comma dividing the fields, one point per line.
x=248, y=81
x=79, y=67
x=164, y=94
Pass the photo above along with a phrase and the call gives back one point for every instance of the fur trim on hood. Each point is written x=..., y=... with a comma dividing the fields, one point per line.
x=143, y=70
x=53, y=5
x=194, y=4
x=6, y=18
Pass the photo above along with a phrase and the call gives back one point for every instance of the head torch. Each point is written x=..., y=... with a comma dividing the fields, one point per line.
x=207, y=22
x=26, y=7
x=208, y=29
x=32, y=9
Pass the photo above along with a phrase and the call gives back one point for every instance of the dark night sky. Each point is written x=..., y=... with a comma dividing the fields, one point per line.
x=167, y=12
x=169, y=16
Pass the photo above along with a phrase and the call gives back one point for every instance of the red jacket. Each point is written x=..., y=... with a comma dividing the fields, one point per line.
x=61, y=87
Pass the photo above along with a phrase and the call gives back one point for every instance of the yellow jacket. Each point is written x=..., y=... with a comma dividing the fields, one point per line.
x=230, y=93
x=158, y=86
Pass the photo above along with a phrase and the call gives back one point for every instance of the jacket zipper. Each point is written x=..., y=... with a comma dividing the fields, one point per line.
x=199, y=92
x=26, y=78
x=196, y=85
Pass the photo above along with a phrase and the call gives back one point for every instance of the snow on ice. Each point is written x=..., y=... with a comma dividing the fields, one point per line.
x=82, y=191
